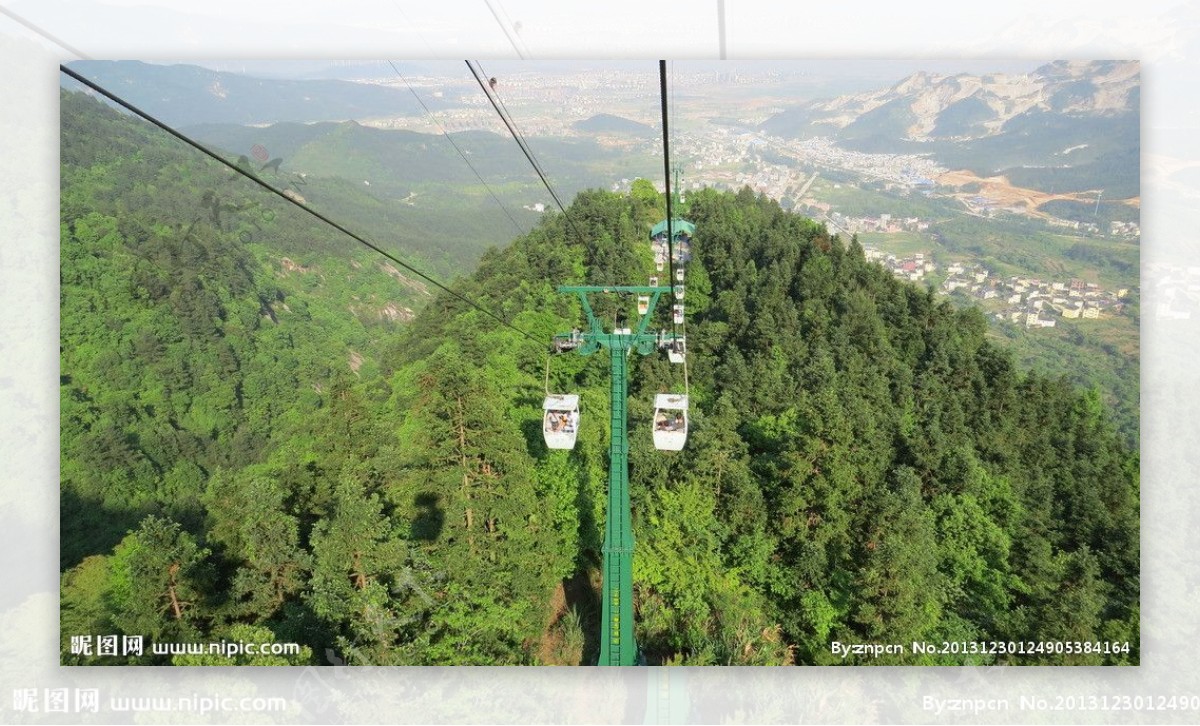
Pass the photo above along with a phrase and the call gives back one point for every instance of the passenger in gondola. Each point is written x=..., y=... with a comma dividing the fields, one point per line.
x=678, y=422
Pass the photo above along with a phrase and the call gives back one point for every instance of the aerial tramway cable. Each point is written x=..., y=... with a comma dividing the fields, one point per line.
x=520, y=139
x=662, y=86
x=456, y=148
x=507, y=114
x=279, y=193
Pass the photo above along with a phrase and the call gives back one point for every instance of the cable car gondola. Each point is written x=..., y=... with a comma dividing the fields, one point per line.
x=678, y=317
x=670, y=421
x=560, y=422
x=677, y=350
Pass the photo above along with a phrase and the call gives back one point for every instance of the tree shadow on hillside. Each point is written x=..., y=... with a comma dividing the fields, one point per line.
x=582, y=597
x=88, y=527
x=428, y=523
x=535, y=441
x=582, y=589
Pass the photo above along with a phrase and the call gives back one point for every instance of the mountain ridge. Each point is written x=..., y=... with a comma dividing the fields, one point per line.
x=1076, y=87
x=1066, y=126
x=187, y=95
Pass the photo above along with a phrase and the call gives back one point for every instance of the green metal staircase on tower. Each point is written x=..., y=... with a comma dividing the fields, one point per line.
x=617, y=645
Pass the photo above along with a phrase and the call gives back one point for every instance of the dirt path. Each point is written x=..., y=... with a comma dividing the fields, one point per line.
x=999, y=190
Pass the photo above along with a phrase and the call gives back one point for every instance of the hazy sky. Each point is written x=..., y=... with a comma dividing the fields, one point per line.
x=832, y=68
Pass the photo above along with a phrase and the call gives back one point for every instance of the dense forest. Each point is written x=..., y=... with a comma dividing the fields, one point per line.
x=254, y=448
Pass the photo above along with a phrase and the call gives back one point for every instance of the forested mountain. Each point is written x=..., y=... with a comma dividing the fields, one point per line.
x=252, y=449
x=423, y=171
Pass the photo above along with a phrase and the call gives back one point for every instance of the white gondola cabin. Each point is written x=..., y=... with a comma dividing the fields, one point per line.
x=677, y=350
x=678, y=317
x=678, y=274
x=560, y=420
x=643, y=304
x=679, y=292
x=670, y=421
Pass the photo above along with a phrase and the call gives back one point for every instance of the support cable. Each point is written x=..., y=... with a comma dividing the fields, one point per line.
x=30, y=26
x=686, y=388
x=518, y=135
x=721, y=29
x=456, y=148
x=504, y=28
x=524, y=147
x=508, y=114
x=662, y=86
x=674, y=117
x=254, y=178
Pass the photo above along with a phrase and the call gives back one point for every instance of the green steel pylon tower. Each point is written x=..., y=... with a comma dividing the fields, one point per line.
x=617, y=646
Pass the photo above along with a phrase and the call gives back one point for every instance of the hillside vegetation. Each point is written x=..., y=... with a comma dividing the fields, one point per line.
x=251, y=451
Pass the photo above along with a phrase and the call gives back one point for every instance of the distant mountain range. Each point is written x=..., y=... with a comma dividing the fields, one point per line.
x=1070, y=125
x=186, y=94
x=924, y=106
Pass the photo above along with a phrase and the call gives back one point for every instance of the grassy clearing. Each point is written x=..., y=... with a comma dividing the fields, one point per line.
x=898, y=243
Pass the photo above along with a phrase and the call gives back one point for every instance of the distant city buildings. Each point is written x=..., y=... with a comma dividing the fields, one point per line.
x=1086, y=227
x=1034, y=302
x=912, y=268
x=1126, y=230
x=725, y=149
x=1024, y=300
x=880, y=223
